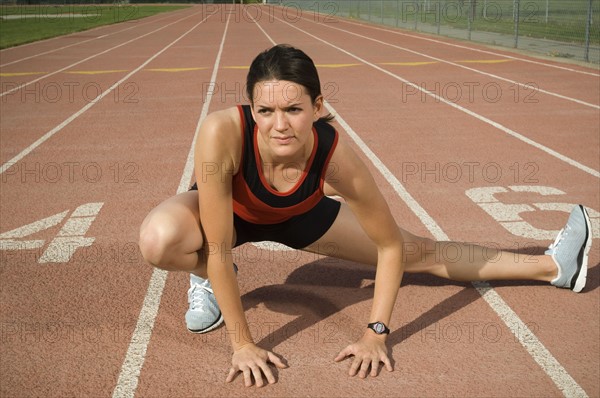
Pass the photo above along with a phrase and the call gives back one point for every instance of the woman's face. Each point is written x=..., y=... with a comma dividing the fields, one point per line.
x=284, y=114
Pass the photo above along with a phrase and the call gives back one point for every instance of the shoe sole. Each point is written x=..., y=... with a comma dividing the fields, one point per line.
x=582, y=277
x=215, y=325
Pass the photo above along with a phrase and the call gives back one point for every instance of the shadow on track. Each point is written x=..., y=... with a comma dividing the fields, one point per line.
x=319, y=289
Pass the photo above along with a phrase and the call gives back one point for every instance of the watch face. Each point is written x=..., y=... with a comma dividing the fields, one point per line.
x=379, y=328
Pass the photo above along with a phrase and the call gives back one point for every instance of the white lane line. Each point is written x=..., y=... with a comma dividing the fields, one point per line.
x=521, y=85
x=136, y=353
x=396, y=32
x=544, y=358
x=431, y=225
x=92, y=56
x=82, y=42
x=469, y=112
x=557, y=373
x=74, y=116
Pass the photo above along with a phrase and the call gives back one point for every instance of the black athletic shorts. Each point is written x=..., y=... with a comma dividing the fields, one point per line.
x=298, y=232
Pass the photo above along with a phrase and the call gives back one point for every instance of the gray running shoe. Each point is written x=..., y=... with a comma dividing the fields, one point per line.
x=570, y=251
x=203, y=314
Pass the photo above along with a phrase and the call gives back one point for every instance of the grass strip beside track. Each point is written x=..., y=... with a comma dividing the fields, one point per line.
x=565, y=21
x=32, y=23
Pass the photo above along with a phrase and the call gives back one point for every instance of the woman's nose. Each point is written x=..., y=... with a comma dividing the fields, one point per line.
x=281, y=123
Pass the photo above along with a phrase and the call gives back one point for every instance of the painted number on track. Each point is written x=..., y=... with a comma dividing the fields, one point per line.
x=509, y=215
x=70, y=237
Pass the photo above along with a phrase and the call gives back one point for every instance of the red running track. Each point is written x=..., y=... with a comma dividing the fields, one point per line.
x=99, y=133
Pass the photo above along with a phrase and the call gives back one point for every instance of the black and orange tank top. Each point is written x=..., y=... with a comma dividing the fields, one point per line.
x=255, y=201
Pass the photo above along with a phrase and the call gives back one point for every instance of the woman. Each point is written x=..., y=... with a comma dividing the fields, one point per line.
x=264, y=172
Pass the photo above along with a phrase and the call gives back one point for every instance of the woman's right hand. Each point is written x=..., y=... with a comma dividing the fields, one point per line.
x=253, y=361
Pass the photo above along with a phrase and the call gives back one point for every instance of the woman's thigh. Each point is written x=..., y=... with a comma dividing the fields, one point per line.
x=179, y=216
x=347, y=240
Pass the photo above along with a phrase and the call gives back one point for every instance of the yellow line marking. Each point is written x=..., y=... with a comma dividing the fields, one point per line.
x=95, y=72
x=409, y=63
x=10, y=74
x=175, y=69
x=485, y=61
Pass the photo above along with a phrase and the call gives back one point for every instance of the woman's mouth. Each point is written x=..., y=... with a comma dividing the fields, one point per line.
x=283, y=140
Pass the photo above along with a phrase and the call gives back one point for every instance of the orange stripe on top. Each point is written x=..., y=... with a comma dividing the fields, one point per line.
x=250, y=208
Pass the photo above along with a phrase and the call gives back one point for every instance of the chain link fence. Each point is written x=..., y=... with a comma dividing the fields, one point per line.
x=556, y=28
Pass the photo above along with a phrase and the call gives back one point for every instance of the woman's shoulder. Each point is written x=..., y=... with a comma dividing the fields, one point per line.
x=222, y=127
x=220, y=136
x=228, y=118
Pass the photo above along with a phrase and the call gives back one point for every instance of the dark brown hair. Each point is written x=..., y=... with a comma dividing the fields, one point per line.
x=284, y=62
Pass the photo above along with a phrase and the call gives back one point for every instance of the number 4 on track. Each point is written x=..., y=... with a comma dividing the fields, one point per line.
x=67, y=240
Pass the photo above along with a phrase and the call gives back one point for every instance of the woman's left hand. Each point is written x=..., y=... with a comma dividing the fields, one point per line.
x=368, y=352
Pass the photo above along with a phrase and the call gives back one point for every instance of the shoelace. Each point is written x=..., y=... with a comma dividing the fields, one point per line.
x=559, y=238
x=198, y=294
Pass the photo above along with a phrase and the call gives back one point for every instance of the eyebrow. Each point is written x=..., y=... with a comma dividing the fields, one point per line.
x=294, y=105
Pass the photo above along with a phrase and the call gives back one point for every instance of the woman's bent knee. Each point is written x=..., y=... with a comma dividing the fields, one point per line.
x=170, y=235
x=171, y=242
x=163, y=244
x=154, y=244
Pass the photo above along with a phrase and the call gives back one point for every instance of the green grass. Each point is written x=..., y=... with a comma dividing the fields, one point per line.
x=566, y=18
x=41, y=22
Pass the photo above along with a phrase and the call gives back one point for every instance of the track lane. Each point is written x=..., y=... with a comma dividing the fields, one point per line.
x=90, y=341
x=70, y=95
x=68, y=92
x=425, y=39
x=134, y=360
x=29, y=51
x=463, y=60
x=13, y=86
x=54, y=102
x=16, y=54
x=463, y=88
x=372, y=129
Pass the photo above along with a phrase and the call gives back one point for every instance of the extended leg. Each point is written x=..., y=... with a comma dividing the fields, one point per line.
x=451, y=260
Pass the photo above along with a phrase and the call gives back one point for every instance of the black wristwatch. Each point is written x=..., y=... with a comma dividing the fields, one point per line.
x=379, y=328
